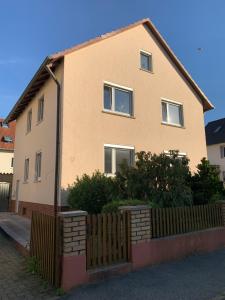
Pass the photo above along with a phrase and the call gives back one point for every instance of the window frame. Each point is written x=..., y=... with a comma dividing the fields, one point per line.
x=26, y=170
x=181, y=112
x=40, y=112
x=36, y=177
x=29, y=120
x=114, y=147
x=150, y=61
x=113, y=87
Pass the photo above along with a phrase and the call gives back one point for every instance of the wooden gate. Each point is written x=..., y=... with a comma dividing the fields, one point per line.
x=45, y=246
x=108, y=239
x=4, y=196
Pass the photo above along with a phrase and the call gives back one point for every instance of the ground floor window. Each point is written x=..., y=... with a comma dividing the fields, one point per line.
x=38, y=166
x=115, y=155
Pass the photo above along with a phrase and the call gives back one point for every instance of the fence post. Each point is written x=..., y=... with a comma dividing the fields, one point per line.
x=140, y=233
x=221, y=203
x=73, y=249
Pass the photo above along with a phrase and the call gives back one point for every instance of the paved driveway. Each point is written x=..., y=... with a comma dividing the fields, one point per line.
x=15, y=282
x=194, y=278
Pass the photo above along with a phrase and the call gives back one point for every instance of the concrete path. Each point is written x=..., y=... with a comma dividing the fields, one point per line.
x=17, y=227
x=197, y=277
x=15, y=282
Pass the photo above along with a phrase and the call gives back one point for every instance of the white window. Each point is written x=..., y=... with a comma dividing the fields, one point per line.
x=118, y=100
x=29, y=120
x=38, y=166
x=223, y=176
x=172, y=113
x=115, y=156
x=146, y=61
x=222, y=151
x=40, y=109
x=26, y=170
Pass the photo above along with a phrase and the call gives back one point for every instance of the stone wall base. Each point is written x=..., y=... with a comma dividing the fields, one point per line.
x=26, y=208
x=176, y=247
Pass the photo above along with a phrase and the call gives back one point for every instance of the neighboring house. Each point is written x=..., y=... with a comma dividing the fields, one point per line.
x=7, y=137
x=215, y=140
x=120, y=93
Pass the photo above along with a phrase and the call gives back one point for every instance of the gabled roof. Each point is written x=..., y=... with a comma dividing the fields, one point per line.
x=215, y=132
x=42, y=75
x=7, y=132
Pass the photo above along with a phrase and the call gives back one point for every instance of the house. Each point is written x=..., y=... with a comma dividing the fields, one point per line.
x=89, y=107
x=215, y=140
x=7, y=136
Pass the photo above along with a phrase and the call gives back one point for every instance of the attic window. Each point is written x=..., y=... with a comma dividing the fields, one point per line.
x=217, y=129
x=4, y=125
x=7, y=139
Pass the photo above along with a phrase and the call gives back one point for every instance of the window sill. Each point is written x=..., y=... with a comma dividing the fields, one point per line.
x=25, y=182
x=118, y=114
x=39, y=122
x=28, y=132
x=37, y=180
x=173, y=125
x=109, y=175
x=145, y=70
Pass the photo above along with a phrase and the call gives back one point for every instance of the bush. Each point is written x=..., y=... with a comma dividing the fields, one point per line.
x=163, y=180
x=114, y=205
x=91, y=193
x=206, y=184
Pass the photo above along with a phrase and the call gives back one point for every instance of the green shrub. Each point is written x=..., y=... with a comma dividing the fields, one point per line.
x=91, y=193
x=114, y=205
x=163, y=180
x=206, y=184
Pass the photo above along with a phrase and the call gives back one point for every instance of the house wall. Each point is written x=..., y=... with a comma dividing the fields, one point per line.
x=6, y=162
x=41, y=138
x=86, y=128
x=214, y=156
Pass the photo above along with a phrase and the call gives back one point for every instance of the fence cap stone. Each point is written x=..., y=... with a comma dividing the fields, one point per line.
x=130, y=207
x=73, y=213
x=220, y=201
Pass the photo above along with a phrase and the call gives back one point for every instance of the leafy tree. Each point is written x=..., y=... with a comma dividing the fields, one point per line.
x=206, y=184
x=161, y=179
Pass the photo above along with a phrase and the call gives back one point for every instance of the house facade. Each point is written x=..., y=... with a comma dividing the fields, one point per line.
x=120, y=93
x=215, y=140
x=7, y=137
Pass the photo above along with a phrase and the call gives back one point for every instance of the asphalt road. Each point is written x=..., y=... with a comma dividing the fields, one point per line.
x=195, y=277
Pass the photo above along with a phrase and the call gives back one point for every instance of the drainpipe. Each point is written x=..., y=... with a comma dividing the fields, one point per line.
x=57, y=157
x=57, y=160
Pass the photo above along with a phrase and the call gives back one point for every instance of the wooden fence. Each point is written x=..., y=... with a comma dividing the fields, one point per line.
x=45, y=246
x=107, y=239
x=172, y=221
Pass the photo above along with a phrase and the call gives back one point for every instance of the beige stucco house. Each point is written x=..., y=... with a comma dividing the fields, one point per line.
x=119, y=93
x=215, y=140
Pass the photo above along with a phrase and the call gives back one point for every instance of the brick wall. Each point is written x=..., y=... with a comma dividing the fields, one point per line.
x=140, y=230
x=74, y=233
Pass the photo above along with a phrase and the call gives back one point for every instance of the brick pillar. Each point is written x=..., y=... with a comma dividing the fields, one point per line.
x=221, y=203
x=73, y=249
x=140, y=233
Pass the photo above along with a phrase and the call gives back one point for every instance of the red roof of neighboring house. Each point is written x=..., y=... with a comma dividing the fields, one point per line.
x=7, y=132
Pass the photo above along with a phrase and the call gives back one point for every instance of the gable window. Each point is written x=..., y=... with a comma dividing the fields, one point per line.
x=222, y=151
x=4, y=125
x=26, y=170
x=118, y=100
x=117, y=155
x=172, y=113
x=146, y=61
x=40, y=109
x=7, y=139
x=29, y=120
x=38, y=166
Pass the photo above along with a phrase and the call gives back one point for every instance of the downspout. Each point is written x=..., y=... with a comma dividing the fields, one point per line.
x=57, y=160
x=57, y=146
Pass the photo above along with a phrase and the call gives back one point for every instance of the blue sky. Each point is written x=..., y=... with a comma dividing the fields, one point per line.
x=30, y=30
